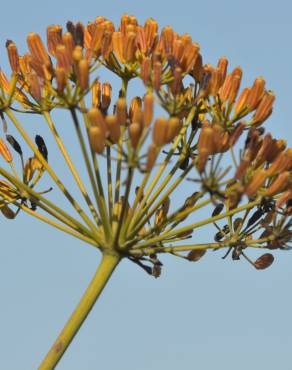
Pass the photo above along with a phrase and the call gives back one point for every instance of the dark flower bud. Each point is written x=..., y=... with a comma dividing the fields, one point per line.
x=255, y=217
x=218, y=209
x=41, y=146
x=15, y=145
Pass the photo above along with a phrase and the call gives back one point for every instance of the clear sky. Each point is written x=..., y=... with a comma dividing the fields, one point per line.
x=213, y=314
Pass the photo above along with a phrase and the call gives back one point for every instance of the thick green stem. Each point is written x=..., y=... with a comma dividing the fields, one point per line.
x=102, y=275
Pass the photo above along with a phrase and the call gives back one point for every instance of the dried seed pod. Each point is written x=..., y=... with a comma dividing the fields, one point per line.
x=41, y=146
x=255, y=217
x=79, y=34
x=218, y=209
x=156, y=271
x=14, y=143
x=7, y=212
x=237, y=223
x=196, y=254
x=32, y=165
x=184, y=163
x=161, y=213
x=236, y=252
x=191, y=200
x=264, y=261
x=218, y=236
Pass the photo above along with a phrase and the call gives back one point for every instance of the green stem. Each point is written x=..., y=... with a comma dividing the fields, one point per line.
x=65, y=217
x=109, y=182
x=93, y=291
x=70, y=165
x=185, y=248
x=51, y=172
x=196, y=225
x=141, y=212
x=99, y=196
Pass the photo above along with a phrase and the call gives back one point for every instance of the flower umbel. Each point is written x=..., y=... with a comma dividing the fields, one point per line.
x=147, y=158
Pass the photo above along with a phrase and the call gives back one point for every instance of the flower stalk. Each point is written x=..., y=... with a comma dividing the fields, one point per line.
x=137, y=205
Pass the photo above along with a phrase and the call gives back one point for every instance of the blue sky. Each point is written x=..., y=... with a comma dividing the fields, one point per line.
x=214, y=314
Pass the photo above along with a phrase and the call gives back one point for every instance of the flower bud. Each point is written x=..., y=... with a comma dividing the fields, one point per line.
x=118, y=46
x=106, y=95
x=241, y=103
x=135, y=112
x=256, y=93
x=280, y=184
x=113, y=128
x=151, y=29
x=61, y=79
x=167, y=38
x=54, y=38
x=13, y=56
x=176, y=84
x=256, y=182
x=222, y=66
x=34, y=86
x=63, y=59
x=157, y=71
x=5, y=152
x=38, y=49
x=173, y=128
x=96, y=119
x=148, y=101
x=235, y=84
x=83, y=74
x=97, y=138
x=130, y=47
x=159, y=133
x=96, y=93
x=134, y=134
x=264, y=108
x=191, y=52
x=69, y=44
x=276, y=147
x=284, y=198
x=236, y=133
x=121, y=111
x=146, y=71
x=151, y=156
